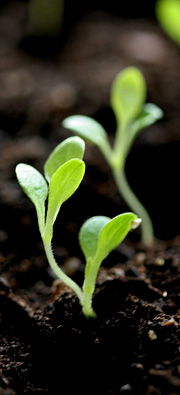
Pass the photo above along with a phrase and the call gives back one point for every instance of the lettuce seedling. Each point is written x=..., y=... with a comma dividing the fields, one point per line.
x=98, y=236
x=168, y=16
x=127, y=97
x=64, y=170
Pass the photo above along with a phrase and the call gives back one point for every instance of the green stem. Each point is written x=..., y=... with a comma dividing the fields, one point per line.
x=119, y=139
x=132, y=201
x=89, y=286
x=60, y=274
x=87, y=306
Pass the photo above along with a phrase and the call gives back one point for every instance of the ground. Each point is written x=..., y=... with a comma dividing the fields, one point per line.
x=133, y=346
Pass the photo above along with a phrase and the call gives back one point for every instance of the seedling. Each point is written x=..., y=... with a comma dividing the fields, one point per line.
x=98, y=236
x=64, y=171
x=168, y=15
x=127, y=97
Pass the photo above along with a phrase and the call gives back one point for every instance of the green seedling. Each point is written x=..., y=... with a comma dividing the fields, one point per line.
x=127, y=97
x=168, y=16
x=45, y=17
x=64, y=171
x=98, y=237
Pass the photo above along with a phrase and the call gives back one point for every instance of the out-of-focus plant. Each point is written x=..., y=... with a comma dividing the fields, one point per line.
x=128, y=95
x=168, y=16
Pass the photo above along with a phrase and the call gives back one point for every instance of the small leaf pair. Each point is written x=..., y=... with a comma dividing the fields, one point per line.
x=127, y=97
x=98, y=237
x=64, y=170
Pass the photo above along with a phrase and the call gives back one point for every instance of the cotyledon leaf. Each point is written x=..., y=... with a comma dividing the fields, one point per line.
x=89, y=235
x=149, y=115
x=35, y=187
x=87, y=128
x=63, y=184
x=98, y=237
x=72, y=147
x=128, y=94
x=168, y=15
x=113, y=233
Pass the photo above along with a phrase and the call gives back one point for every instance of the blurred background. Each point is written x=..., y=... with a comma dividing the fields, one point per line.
x=59, y=58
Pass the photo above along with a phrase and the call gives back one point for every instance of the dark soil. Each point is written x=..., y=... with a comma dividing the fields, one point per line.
x=46, y=343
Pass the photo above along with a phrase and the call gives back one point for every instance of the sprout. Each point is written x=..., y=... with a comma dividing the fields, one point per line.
x=98, y=237
x=64, y=171
x=63, y=182
x=127, y=97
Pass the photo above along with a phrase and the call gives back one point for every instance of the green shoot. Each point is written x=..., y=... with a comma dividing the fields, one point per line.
x=98, y=237
x=63, y=182
x=64, y=170
x=168, y=15
x=127, y=97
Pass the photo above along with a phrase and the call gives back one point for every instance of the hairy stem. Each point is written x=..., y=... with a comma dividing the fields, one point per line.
x=60, y=274
x=132, y=201
x=87, y=306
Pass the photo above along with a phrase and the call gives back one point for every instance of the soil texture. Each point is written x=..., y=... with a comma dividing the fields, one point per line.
x=46, y=344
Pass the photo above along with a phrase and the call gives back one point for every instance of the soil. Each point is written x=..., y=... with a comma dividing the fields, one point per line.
x=47, y=345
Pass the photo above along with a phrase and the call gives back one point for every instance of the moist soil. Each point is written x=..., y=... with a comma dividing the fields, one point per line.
x=47, y=345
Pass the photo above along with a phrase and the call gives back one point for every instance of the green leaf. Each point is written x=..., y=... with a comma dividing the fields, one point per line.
x=113, y=233
x=35, y=187
x=128, y=94
x=72, y=147
x=150, y=114
x=168, y=15
x=89, y=235
x=98, y=237
x=87, y=128
x=63, y=184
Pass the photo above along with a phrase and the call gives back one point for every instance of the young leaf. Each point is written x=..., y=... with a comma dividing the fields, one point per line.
x=63, y=184
x=89, y=235
x=72, y=147
x=97, y=241
x=99, y=235
x=35, y=187
x=87, y=128
x=168, y=15
x=113, y=233
x=128, y=94
x=150, y=114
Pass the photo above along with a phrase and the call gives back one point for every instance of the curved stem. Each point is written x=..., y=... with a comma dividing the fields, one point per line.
x=60, y=274
x=132, y=201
